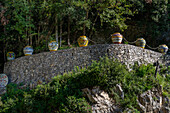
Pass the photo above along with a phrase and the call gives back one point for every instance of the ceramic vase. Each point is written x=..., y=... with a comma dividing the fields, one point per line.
x=28, y=50
x=3, y=80
x=117, y=38
x=10, y=55
x=53, y=46
x=82, y=41
x=141, y=42
x=163, y=48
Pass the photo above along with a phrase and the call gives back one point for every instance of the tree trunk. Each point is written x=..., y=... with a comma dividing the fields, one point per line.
x=75, y=34
x=56, y=29
x=30, y=37
x=38, y=38
x=47, y=40
x=61, y=24
x=68, y=37
x=4, y=50
x=30, y=33
x=84, y=29
x=4, y=47
x=84, y=25
x=91, y=31
x=30, y=40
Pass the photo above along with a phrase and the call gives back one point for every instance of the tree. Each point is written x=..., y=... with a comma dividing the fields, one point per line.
x=19, y=24
x=154, y=19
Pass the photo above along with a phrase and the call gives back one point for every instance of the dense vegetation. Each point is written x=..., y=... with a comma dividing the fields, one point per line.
x=63, y=94
x=36, y=22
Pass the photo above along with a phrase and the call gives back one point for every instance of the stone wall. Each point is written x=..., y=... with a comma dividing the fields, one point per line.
x=44, y=66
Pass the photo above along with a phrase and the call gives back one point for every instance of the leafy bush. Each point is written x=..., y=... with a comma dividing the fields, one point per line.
x=63, y=93
x=74, y=105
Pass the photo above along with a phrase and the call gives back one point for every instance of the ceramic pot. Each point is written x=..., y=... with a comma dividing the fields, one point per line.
x=82, y=41
x=10, y=55
x=28, y=50
x=117, y=38
x=141, y=42
x=53, y=46
x=163, y=48
x=3, y=80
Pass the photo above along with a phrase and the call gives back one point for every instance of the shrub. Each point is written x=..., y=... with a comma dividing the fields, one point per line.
x=75, y=105
x=63, y=93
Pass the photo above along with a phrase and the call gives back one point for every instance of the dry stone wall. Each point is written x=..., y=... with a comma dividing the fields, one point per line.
x=44, y=66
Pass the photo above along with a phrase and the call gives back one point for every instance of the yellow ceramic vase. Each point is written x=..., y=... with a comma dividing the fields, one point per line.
x=163, y=48
x=83, y=41
x=141, y=42
x=53, y=46
x=10, y=55
x=28, y=50
x=117, y=38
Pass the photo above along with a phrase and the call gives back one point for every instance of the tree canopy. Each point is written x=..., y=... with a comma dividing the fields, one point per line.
x=36, y=22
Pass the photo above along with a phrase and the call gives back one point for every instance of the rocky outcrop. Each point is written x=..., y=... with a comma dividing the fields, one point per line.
x=151, y=101
x=102, y=103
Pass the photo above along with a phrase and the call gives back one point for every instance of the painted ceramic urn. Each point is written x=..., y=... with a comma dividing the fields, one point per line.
x=28, y=50
x=10, y=55
x=140, y=42
x=117, y=38
x=83, y=41
x=53, y=46
x=163, y=48
x=3, y=80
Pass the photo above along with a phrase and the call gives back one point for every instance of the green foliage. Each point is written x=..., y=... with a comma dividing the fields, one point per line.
x=73, y=105
x=164, y=79
x=144, y=70
x=34, y=22
x=20, y=18
x=154, y=19
x=64, y=94
x=115, y=13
